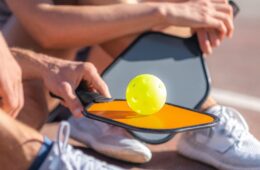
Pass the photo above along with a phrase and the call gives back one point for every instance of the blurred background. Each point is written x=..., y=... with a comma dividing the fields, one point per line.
x=234, y=69
x=235, y=66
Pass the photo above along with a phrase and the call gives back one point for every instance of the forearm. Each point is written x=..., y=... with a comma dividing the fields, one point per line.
x=163, y=0
x=33, y=65
x=107, y=2
x=4, y=51
x=74, y=26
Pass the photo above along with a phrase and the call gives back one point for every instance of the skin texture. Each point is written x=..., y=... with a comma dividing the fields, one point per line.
x=82, y=23
x=11, y=90
x=19, y=139
x=34, y=32
x=60, y=77
x=117, y=25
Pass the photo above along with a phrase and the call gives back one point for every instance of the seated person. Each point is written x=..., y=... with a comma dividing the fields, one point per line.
x=61, y=29
x=23, y=147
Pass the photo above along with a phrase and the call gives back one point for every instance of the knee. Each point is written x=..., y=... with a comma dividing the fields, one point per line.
x=35, y=111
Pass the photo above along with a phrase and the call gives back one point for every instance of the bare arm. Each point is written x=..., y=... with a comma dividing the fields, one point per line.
x=73, y=26
x=11, y=90
x=57, y=26
x=61, y=77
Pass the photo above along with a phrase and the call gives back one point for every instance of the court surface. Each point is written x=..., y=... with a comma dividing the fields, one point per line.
x=235, y=72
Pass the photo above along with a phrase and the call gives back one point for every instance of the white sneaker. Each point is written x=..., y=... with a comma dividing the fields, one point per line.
x=229, y=145
x=109, y=140
x=63, y=157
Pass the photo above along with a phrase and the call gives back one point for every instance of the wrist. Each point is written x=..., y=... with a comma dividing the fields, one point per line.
x=160, y=12
x=170, y=12
x=33, y=64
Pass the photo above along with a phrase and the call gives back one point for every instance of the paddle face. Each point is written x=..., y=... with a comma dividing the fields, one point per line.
x=170, y=119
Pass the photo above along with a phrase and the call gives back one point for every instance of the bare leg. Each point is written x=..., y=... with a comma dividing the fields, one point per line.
x=38, y=103
x=35, y=112
x=15, y=35
x=102, y=56
x=19, y=143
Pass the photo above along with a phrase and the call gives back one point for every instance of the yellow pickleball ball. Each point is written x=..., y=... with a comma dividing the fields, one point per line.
x=146, y=94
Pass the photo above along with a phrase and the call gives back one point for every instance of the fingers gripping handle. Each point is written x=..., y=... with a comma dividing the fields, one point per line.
x=85, y=96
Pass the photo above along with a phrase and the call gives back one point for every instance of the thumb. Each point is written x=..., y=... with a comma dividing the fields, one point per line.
x=71, y=100
x=99, y=84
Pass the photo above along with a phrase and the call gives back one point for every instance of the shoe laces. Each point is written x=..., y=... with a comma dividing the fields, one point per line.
x=73, y=158
x=232, y=124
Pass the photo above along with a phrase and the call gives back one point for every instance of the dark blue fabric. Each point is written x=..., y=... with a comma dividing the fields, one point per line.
x=42, y=154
